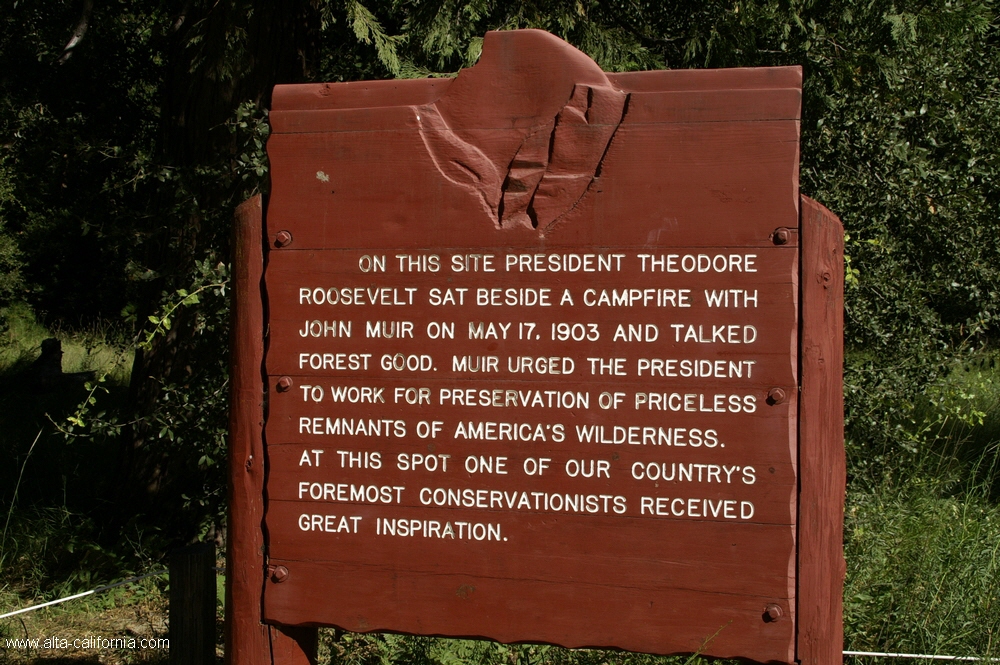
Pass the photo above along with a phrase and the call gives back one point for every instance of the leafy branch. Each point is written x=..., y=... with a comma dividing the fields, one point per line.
x=143, y=340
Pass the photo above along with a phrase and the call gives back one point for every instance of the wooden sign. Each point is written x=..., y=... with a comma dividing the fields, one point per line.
x=552, y=355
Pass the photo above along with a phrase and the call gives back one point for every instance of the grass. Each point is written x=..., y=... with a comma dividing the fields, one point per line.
x=49, y=489
x=922, y=541
x=340, y=648
x=96, y=348
x=923, y=573
x=134, y=612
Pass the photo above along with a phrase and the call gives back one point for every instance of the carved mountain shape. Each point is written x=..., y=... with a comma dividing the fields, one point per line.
x=551, y=171
x=525, y=172
x=582, y=134
x=524, y=130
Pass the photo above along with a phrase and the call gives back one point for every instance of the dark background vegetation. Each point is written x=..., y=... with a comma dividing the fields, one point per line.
x=130, y=130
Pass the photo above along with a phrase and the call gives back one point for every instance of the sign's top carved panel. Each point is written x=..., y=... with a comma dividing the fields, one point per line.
x=416, y=92
x=527, y=133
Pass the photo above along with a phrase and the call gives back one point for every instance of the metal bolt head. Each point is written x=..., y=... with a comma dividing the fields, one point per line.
x=284, y=383
x=775, y=396
x=772, y=613
x=279, y=574
x=781, y=236
x=282, y=238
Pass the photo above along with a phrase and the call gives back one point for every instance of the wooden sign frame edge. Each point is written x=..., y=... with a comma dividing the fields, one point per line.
x=820, y=563
x=248, y=640
x=822, y=463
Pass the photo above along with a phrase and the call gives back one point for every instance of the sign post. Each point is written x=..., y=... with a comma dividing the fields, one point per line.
x=552, y=355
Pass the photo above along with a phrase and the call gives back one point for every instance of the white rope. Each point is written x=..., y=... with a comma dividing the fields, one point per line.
x=921, y=656
x=99, y=589
x=51, y=602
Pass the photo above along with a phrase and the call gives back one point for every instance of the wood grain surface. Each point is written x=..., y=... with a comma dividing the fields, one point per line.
x=247, y=640
x=589, y=499
x=823, y=474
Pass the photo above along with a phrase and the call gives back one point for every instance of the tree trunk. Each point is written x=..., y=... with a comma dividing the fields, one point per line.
x=219, y=55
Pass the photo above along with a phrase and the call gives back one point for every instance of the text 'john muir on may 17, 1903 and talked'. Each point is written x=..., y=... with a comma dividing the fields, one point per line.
x=447, y=394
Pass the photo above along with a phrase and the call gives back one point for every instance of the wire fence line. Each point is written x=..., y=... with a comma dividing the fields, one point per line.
x=129, y=580
x=222, y=571
x=920, y=656
x=100, y=589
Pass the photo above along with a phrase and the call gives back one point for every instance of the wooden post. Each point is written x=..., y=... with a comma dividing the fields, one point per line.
x=246, y=637
x=248, y=640
x=822, y=466
x=192, y=605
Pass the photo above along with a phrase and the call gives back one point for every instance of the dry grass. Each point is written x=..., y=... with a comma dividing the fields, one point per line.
x=130, y=614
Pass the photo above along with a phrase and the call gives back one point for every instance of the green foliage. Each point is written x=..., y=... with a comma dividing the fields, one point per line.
x=367, y=30
x=11, y=263
x=122, y=159
x=74, y=143
x=898, y=144
x=250, y=130
x=189, y=419
x=448, y=35
x=52, y=552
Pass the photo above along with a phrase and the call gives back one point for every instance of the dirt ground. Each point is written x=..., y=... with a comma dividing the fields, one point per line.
x=117, y=629
x=78, y=632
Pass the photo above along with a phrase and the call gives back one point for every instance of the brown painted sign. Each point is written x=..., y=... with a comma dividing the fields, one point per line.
x=533, y=359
